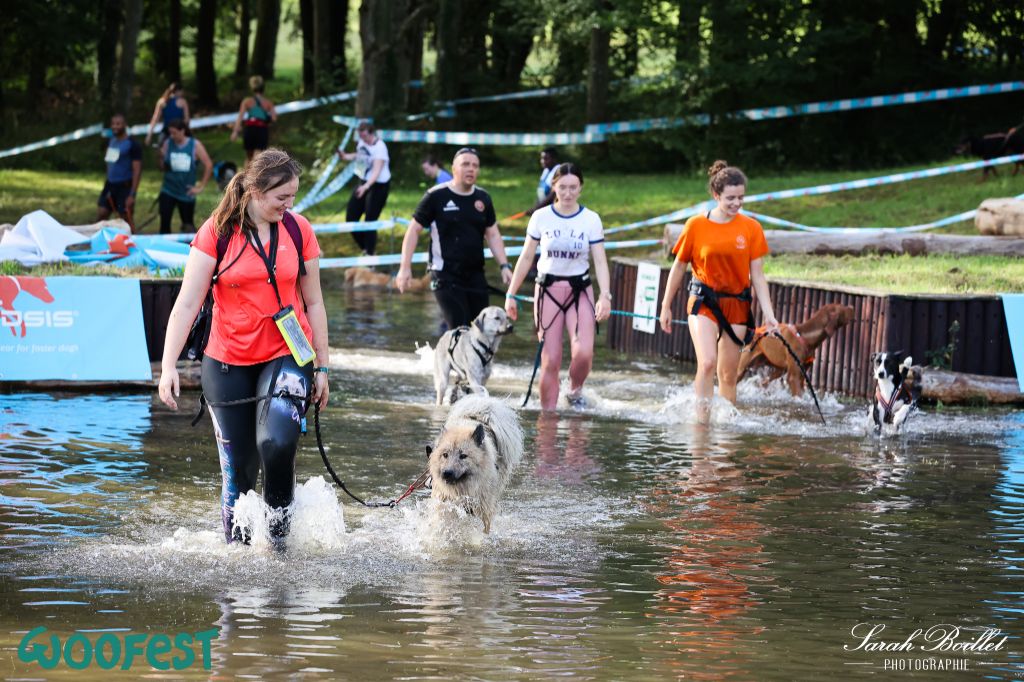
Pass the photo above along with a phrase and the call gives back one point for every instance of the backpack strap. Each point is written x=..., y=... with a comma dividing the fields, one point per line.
x=292, y=226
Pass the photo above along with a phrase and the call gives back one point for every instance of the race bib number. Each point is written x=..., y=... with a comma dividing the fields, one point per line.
x=113, y=154
x=181, y=162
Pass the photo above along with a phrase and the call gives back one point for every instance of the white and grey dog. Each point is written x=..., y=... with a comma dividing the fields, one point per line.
x=473, y=458
x=469, y=351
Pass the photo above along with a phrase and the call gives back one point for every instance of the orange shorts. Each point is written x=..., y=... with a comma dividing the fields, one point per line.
x=735, y=310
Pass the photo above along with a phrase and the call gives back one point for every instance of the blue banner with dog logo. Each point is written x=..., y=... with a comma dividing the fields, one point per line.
x=72, y=328
x=1013, y=308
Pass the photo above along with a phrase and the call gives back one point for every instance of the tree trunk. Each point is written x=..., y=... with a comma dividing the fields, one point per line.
x=268, y=20
x=174, y=42
x=597, y=66
x=322, y=43
x=308, y=22
x=512, y=32
x=381, y=83
x=106, y=50
x=339, y=30
x=688, y=36
x=206, y=74
x=36, y=73
x=129, y=49
x=447, y=36
x=244, y=24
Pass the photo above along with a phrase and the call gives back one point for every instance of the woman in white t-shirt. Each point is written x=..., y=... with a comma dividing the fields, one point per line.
x=568, y=234
x=370, y=195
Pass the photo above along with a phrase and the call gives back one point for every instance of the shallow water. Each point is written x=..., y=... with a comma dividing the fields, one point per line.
x=632, y=544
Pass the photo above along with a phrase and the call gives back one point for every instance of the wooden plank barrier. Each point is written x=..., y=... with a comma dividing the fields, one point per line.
x=917, y=325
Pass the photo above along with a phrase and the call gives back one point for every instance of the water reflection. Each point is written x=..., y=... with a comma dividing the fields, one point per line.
x=562, y=447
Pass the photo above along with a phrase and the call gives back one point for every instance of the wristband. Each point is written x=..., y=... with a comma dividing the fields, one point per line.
x=505, y=265
x=320, y=369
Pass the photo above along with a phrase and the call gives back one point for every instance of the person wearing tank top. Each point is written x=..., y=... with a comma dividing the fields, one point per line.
x=178, y=159
x=256, y=113
x=171, y=106
x=567, y=235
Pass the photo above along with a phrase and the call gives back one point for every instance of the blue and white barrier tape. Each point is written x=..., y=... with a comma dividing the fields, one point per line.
x=467, y=138
x=341, y=228
x=79, y=134
x=421, y=257
x=810, y=108
x=325, y=174
x=822, y=189
x=336, y=184
x=201, y=122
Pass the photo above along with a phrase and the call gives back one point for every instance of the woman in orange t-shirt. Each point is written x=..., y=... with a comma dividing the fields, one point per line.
x=725, y=250
x=257, y=391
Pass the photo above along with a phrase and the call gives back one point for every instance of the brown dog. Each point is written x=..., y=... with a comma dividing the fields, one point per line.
x=803, y=338
x=365, y=278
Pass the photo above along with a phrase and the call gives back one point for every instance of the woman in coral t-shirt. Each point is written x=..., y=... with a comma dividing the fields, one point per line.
x=725, y=249
x=258, y=391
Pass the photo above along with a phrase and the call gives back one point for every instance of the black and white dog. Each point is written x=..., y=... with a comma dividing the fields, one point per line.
x=897, y=389
x=469, y=352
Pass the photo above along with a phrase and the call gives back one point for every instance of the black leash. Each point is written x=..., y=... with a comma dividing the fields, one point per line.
x=800, y=364
x=416, y=485
x=536, y=364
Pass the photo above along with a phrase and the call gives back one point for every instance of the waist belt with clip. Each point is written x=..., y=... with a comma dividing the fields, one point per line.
x=705, y=295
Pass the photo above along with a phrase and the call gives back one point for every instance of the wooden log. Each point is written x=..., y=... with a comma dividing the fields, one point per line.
x=959, y=387
x=1000, y=216
x=891, y=243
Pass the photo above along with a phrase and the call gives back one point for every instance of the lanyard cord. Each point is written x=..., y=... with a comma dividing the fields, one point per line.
x=269, y=261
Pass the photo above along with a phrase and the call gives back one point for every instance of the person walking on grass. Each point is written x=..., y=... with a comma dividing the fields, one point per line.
x=725, y=249
x=370, y=195
x=172, y=106
x=567, y=235
x=256, y=113
x=178, y=156
x=123, y=157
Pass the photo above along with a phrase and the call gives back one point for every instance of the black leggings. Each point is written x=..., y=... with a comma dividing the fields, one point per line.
x=257, y=435
x=461, y=298
x=186, y=211
x=370, y=204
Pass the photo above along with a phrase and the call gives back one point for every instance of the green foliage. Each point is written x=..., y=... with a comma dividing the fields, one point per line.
x=942, y=358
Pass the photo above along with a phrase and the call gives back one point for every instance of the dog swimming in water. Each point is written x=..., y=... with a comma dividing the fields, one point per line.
x=473, y=458
x=897, y=390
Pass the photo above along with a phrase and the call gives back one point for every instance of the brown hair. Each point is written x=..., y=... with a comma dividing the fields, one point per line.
x=721, y=175
x=366, y=126
x=256, y=83
x=564, y=169
x=269, y=169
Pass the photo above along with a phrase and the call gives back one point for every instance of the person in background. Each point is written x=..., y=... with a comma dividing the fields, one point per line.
x=369, y=196
x=460, y=217
x=725, y=249
x=172, y=106
x=178, y=156
x=548, y=164
x=433, y=170
x=257, y=113
x=124, y=170
x=568, y=235
x=257, y=390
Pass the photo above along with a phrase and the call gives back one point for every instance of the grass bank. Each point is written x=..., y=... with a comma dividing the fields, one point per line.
x=622, y=198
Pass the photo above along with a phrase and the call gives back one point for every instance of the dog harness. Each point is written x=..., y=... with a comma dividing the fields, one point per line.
x=899, y=392
x=486, y=353
x=705, y=295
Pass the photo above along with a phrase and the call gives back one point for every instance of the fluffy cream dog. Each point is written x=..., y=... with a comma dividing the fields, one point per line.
x=473, y=458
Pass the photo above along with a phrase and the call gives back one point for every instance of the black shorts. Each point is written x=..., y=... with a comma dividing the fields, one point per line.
x=256, y=138
x=116, y=193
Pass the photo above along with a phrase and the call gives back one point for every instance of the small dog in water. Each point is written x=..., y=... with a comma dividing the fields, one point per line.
x=897, y=389
x=469, y=351
x=472, y=460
